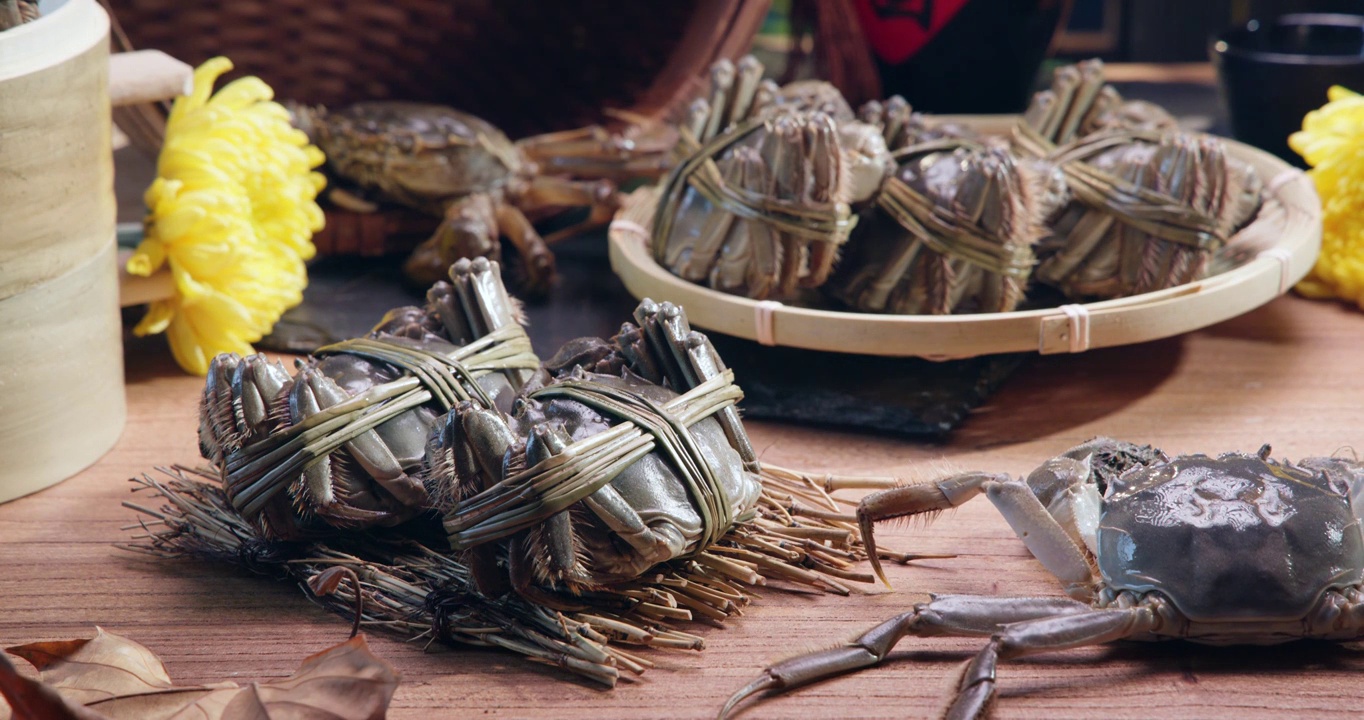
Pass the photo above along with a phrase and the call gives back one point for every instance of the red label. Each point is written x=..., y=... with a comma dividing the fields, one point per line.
x=898, y=29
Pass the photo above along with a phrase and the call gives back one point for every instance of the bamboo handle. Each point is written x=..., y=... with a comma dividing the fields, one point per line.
x=136, y=77
x=145, y=76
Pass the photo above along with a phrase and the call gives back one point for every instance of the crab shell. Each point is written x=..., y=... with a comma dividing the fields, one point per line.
x=420, y=155
x=651, y=486
x=1266, y=539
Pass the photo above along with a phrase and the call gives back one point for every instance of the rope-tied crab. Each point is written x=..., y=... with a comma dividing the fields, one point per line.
x=341, y=442
x=1152, y=205
x=773, y=183
x=1236, y=549
x=762, y=197
x=955, y=230
x=478, y=496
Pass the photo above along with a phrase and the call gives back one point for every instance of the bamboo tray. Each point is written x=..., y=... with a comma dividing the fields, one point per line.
x=1280, y=245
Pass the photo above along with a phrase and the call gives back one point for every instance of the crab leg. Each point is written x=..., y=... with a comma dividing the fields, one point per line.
x=1044, y=536
x=556, y=533
x=481, y=438
x=534, y=252
x=1029, y=637
x=949, y=615
x=783, y=147
x=750, y=73
x=821, y=144
x=689, y=360
x=550, y=193
x=721, y=80
x=468, y=230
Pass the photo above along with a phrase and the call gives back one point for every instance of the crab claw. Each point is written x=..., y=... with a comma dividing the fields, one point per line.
x=217, y=430
x=235, y=407
x=255, y=385
x=762, y=683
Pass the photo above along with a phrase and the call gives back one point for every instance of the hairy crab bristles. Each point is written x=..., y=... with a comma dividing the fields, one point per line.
x=238, y=405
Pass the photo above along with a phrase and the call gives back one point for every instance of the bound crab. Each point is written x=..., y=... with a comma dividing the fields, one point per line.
x=482, y=186
x=947, y=222
x=553, y=481
x=953, y=229
x=762, y=197
x=341, y=443
x=1152, y=205
x=1236, y=549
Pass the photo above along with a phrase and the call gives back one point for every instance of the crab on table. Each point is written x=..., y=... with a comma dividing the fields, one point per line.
x=553, y=480
x=483, y=186
x=643, y=434
x=1234, y=549
x=342, y=442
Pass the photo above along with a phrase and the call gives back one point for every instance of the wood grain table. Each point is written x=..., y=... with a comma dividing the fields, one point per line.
x=1287, y=374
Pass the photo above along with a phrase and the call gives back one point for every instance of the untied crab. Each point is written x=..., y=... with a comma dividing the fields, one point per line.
x=483, y=186
x=1236, y=549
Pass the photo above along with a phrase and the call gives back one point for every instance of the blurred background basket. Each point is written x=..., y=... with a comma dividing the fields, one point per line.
x=525, y=65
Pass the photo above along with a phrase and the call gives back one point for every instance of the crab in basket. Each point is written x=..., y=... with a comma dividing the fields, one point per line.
x=1233, y=549
x=481, y=185
x=928, y=217
x=1152, y=207
x=763, y=193
x=476, y=495
x=953, y=229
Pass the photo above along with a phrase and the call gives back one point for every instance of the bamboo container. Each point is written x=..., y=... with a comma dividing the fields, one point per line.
x=61, y=358
x=1275, y=251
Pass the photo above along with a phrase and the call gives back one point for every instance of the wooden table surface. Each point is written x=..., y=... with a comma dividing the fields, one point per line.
x=1287, y=374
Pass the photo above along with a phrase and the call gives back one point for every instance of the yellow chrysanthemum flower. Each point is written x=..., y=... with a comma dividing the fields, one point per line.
x=232, y=211
x=1332, y=142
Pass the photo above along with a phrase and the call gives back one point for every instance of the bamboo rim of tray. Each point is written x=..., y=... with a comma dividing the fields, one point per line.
x=1282, y=241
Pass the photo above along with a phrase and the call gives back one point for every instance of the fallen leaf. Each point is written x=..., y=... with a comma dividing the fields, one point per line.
x=206, y=702
x=346, y=682
x=109, y=677
x=29, y=698
x=102, y=667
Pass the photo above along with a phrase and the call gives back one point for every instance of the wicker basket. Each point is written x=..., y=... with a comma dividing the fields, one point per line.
x=526, y=66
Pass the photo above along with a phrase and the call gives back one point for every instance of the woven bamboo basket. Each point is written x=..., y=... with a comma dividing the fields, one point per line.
x=526, y=66
x=1280, y=247
x=61, y=355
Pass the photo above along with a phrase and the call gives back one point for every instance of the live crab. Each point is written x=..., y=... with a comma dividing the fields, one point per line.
x=1236, y=549
x=483, y=186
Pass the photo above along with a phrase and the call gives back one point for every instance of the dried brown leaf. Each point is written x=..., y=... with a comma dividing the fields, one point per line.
x=205, y=702
x=346, y=682
x=109, y=677
x=103, y=667
x=29, y=698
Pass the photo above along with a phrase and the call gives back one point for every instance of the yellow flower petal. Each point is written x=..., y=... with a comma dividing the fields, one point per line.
x=158, y=316
x=147, y=259
x=231, y=213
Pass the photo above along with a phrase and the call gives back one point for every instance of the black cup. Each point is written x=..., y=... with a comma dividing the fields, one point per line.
x=1273, y=73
